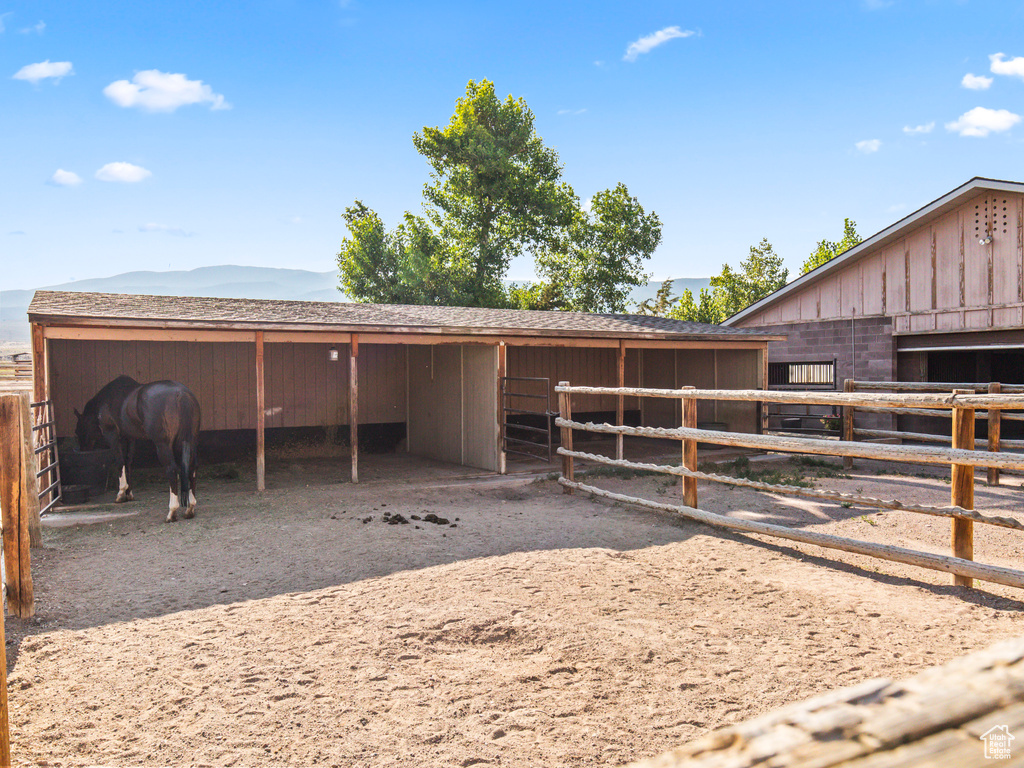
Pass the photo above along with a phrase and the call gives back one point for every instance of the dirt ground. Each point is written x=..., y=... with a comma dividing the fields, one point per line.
x=298, y=627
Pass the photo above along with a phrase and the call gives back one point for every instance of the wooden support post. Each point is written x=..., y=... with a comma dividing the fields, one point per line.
x=620, y=405
x=994, y=428
x=848, y=435
x=565, y=411
x=39, y=373
x=353, y=404
x=962, y=487
x=690, y=451
x=29, y=480
x=13, y=488
x=502, y=372
x=261, y=417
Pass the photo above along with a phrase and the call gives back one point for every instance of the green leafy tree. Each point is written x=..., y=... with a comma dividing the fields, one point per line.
x=602, y=253
x=496, y=189
x=707, y=308
x=495, y=193
x=760, y=274
x=828, y=250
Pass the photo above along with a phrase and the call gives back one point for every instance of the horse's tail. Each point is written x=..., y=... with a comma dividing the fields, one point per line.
x=189, y=436
x=185, y=480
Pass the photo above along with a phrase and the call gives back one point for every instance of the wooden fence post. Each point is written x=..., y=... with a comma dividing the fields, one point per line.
x=15, y=511
x=690, y=451
x=565, y=411
x=848, y=435
x=29, y=476
x=353, y=404
x=620, y=400
x=995, y=421
x=962, y=486
x=261, y=416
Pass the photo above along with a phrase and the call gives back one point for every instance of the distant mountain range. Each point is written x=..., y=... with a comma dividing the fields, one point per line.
x=229, y=282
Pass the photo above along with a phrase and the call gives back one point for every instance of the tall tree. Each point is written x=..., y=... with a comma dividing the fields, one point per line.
x=496, y=189
x=495, y=193
x=827, y=250
x=602, y=254
x=760, y=273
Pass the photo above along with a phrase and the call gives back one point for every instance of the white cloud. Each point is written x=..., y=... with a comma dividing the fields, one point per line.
x=976, y=82
x=650, y=42
x=156, y=91
x=123, y=172
x=918, y=129
x=3, y=16
x=1013, y=67
x=571, y=111
x=64, y=178
x=38, y=28
x=981, y=121
x=175, y=231
x=868, y=146
x=43, y=70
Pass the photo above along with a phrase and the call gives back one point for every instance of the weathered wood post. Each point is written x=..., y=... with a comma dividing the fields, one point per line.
x=995, y=422
x=962, y=486
x=261, y=417
x=690, y=451
x=848, y=436
x=30, y=476
x=353, y=404
x=565, y=411
x=620, y=400
x=13, y=506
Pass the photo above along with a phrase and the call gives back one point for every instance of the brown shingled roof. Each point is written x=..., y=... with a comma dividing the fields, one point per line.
x=74, y=308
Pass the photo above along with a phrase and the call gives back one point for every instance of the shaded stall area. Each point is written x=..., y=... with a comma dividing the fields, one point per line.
x=426, y=381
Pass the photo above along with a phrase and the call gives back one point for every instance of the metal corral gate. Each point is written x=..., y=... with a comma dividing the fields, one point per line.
x=533, y=439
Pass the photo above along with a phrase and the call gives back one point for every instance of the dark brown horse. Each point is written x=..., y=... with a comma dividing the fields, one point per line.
x=165, y=412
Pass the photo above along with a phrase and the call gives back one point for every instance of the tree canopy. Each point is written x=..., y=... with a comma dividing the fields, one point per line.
x=496, y=192
x=760, y=274
x=827, y=250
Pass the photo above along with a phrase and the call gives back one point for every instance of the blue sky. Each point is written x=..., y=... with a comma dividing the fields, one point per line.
x=172, y=135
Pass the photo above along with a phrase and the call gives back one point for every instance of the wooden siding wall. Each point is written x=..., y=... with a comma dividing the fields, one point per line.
x=703, y=369
x=453, y=404
x=304, y=389
x=581, y=366
x=938, y=277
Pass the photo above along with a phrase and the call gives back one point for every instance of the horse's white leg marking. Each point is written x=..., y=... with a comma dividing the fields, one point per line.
x=172, y=507
x=123, y=492
x=191, y=510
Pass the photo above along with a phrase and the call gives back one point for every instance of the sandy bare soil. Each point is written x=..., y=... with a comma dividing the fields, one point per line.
x=299, y=628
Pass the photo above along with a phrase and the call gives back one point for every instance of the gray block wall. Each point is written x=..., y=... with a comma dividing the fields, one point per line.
x=864, y=349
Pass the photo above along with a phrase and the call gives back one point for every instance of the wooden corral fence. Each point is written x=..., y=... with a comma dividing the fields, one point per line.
x=16, y=367
x=994, y=416
x=19, y=500
x=961, y=457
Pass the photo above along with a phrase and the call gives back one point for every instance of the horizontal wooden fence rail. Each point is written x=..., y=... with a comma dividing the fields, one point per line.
x=995, y=414
x=824, y=397
x=959, y=457
x=911, y=454
x=954, y=565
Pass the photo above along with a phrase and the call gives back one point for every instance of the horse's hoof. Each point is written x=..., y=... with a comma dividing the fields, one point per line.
x=189, y=513
x=123, y=497
x=172, y=516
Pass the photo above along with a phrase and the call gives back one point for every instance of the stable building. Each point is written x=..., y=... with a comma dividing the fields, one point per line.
x=936, y=297
x=451, y=383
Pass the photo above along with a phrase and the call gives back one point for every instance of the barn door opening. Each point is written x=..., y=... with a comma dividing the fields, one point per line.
x=526, y=416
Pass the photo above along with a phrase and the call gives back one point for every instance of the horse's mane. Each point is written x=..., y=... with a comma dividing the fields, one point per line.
x=121, y=384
